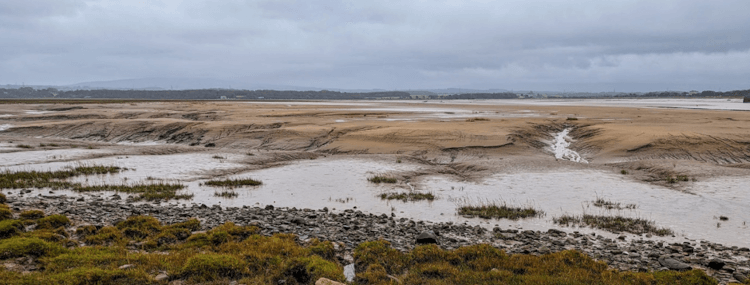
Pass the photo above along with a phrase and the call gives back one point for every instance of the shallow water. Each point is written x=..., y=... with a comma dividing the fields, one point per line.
x=341, y=183
x=560, y=146
x=33, y=157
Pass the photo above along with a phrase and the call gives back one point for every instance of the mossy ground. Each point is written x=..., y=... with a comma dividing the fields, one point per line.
x=230, y=252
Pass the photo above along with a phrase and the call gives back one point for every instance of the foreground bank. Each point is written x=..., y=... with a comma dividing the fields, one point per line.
x=108, y=241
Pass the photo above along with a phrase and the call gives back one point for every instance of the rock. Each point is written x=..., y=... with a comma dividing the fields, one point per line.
x=161, y=277
x=740, y=277
x=674, y=264
x=427, y=238
x=126, y=266
x=716, y=264
x=326, y=281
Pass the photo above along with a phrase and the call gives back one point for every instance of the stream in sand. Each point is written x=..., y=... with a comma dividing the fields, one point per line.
x=341, y=183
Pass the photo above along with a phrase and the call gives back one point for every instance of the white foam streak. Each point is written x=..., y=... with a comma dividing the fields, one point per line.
x=560, y=147
x=5, y=127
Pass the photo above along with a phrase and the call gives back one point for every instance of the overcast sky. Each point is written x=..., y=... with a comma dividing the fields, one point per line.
x=531, y=45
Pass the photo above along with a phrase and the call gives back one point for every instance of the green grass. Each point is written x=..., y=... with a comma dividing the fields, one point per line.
x=377, y=179
x=233, y=183
x=614, y=224
x=499, y=210
x=410, y=196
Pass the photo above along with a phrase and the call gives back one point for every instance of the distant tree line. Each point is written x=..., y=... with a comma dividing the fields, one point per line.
x=214, y=94
x=204, y=94
x=678, y=94
x=506, y=95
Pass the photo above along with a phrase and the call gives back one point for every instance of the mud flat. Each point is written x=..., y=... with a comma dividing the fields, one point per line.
x=682, y=165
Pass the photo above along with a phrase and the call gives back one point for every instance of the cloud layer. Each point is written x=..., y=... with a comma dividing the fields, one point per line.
x=539, y=45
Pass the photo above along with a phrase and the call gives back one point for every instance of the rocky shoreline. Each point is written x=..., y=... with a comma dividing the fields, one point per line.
x=350, y=227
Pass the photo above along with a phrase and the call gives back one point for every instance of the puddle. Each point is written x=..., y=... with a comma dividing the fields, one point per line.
x=143, y=143
x=40, y=156
x=560, y=147
x=5, y=127
x=33, y=112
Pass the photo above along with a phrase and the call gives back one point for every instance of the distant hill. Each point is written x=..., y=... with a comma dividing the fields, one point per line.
x=182, y=84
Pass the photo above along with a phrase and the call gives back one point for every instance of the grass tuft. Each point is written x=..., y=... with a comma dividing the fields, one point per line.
x=410, y=196
x=609, y=205
x=32, y=214
x=233, y=183
x=614, y=224
x=377, y=179
x=501, y=210
x=226, y=194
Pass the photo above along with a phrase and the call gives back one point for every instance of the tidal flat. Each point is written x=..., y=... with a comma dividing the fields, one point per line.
x=495, y=175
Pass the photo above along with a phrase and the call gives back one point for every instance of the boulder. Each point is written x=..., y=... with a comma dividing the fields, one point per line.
x=674, y=264
x=428, y=237
x=716, y=264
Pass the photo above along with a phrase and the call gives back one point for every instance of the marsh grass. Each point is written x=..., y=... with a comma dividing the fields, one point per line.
x=51, y=179
x=498, y=210
x=233, y=183
x=407, y=196
x=477, y=120
x=226, y=194
x=609, y=205
x=56, y=180
x=144, y=191
x=377, y=179
x=24, y=146
x=677, y=178
x=614, y=224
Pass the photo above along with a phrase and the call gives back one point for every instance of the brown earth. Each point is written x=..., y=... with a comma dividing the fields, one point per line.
x=651, y=141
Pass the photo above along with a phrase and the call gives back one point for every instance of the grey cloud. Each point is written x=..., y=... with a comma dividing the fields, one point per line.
x=382, y=44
